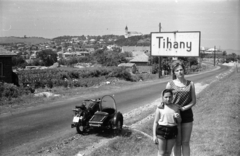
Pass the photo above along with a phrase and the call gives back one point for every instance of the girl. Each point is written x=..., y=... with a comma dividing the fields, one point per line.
x=165, y=124
x=185, y=98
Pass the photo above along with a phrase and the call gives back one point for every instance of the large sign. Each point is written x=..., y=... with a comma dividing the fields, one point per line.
x=175, y=44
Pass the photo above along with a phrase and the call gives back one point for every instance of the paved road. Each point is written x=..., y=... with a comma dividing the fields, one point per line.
x=44, y=124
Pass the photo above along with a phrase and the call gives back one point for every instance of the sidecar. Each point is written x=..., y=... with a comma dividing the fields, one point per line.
x=108, y=117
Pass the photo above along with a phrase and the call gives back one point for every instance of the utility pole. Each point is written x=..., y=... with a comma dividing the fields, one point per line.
x=214, y=55
x=159, y=59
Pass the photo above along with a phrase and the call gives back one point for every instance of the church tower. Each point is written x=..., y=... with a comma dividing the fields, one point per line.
x=126, y=32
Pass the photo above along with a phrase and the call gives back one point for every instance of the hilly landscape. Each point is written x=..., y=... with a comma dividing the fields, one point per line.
x=26, y=40
x=144, y=40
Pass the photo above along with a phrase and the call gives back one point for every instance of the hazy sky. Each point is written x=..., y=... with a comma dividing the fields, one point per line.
x=218, y=20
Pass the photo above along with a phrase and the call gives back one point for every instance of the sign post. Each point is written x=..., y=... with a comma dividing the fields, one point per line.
x=214, y=56
x=159, y=59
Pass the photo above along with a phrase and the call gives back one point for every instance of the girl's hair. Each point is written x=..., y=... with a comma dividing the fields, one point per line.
x=161, y=106
x=167, y=91
x=174, y=65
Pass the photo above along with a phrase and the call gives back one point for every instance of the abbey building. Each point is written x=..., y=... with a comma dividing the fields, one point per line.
x=131, y=33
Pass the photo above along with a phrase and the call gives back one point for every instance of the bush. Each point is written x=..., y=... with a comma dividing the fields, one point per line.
x=194, y=68
x=155, y=68
x=121, y=73
x=60, y=77
x=10, y=91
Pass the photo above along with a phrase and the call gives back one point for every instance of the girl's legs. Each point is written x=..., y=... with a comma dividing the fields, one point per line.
x=161, y=147
x=177, y=149
x=186, y=135
x=169, y=146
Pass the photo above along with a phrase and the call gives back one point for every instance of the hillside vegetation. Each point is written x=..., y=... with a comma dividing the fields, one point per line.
x=27, y=40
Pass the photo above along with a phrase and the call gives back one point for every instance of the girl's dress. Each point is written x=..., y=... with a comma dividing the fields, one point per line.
x=167, y=125
x=183, y=96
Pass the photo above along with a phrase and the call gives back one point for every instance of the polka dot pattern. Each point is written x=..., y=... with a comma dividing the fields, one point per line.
x=181, y=95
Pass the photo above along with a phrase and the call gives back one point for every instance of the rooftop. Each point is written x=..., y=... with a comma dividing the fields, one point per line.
x=4, y=52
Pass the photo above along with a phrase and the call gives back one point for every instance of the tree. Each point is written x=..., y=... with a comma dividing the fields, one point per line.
x=112, y=58
x=231, y=57
x=47, y=56
x=18, y=61
x=224, y=54
x=108, y=58
x=98, y=56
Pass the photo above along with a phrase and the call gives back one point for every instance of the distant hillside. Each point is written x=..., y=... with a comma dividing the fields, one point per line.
x=134, y=41
x=27, y=40
x=230, y=51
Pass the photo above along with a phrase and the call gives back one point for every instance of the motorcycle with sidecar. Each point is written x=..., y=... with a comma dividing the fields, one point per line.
x=83, y=113
x=107, y=117
x=99, y=114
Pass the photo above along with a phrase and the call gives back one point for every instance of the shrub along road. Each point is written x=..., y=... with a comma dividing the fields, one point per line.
x=25, y=132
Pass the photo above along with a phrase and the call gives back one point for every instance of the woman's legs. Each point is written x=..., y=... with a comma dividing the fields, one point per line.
x=186, y=135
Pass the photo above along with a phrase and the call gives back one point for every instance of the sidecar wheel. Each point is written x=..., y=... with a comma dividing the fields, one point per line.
x=118, y=129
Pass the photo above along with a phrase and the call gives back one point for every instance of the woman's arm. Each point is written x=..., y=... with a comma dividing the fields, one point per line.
x=178, y=117
x=193, y=102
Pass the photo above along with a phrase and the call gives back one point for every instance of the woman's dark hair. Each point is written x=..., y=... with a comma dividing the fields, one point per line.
x=174, y=65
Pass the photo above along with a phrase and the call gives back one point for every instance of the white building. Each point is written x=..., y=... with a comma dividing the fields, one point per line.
x=131, y=33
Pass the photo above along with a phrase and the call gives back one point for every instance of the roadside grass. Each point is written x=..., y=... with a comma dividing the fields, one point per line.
x=135, y=144
x=216, y=130
x=217, y=121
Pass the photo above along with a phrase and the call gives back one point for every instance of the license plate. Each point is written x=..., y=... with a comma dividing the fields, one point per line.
x=76, y=119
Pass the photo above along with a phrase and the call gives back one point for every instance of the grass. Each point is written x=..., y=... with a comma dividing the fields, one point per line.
x=135, y=144
x=216, y=129
x=217, y=121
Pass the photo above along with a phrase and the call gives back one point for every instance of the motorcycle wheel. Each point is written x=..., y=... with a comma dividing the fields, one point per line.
x=80, y=129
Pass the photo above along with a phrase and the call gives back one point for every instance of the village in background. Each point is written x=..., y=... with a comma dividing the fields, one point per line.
x=131, y=50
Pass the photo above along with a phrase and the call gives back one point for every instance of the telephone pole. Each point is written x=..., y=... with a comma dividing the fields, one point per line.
x=214, y=55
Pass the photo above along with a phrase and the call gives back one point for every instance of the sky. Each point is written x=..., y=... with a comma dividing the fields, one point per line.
x=217, y=20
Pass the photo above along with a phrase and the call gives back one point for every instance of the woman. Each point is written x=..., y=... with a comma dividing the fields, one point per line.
x=185, y=98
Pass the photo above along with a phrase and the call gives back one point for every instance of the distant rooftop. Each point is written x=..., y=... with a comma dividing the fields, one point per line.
x=4, y=52
x=140, y=58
